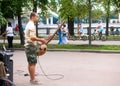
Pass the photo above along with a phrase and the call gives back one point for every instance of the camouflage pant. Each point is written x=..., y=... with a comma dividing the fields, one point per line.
x=31, y=53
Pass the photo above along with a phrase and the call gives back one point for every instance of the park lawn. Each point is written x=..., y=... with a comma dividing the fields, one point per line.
x=84, y=47
x=72, y=46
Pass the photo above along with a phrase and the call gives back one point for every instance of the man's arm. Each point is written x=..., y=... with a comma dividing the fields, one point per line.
x=39, y=39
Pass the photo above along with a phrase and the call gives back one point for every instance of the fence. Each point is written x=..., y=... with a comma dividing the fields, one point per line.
x=47, y=30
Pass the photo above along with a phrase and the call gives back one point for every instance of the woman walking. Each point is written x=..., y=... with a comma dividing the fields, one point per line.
x=10, y=35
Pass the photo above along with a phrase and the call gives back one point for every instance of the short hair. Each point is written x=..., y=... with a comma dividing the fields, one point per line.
x=9, y=24
x=33, y=14
x=99, y=21
x=64, y=25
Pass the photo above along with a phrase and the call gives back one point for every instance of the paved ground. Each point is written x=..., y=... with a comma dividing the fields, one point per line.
x=99, y=42
x=78, y=68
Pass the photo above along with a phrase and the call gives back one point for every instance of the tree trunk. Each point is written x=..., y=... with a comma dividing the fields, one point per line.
x=71, y=26
x=20, y=29
x=107, y=18
x=89, y=30
x=35, y=10
x=35, y=6
x=78, y=19
x=3, y=29
x=107, y=26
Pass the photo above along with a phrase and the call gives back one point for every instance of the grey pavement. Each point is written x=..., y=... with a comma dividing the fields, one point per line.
x=78, y=68
x=99, y=42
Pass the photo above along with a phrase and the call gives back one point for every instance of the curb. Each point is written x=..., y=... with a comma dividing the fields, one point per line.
x=76, y=50
x=90, y=51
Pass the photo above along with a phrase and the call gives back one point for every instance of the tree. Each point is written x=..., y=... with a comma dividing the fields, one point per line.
x=91, y=4
x=97, y=13
x=107, y=16
x=89, y=30
x=17, y=6
x=107, y=4
x=67, y=11
x=12, y=8
x=2, y=20
x=117, y=3
x=4, y=14
x=42, y=5
x=53, y=5
x=81, y=11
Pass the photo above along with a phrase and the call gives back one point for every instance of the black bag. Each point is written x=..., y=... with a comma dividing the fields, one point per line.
x=6, y=82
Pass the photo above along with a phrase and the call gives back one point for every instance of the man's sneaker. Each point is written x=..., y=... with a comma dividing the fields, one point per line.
x=35, y=82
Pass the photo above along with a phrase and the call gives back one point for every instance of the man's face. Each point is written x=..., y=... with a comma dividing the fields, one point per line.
x=36, y=17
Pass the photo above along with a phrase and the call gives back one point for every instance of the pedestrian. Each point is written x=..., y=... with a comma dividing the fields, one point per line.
x=65, y=34
x=31, y=46
x=99, y=29
x=60, y=35
x=10, y=35
x=16, y=29
x=117, y=32
x=80, y=31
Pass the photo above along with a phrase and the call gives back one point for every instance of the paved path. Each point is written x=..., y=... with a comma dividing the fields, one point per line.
x=78, y=68
x=99, y=42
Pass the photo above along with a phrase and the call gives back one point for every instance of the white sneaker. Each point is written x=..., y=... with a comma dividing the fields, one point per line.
x=35, y=82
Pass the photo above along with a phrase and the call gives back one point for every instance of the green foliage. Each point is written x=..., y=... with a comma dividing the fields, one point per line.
x=81, y=8
x=2, y=20
x=17, y=5
x=67, y=9
x=6, y=8
x=53, y=5
x=117, y=3
x=10, y=8
x=42, y=5
x=43, y=2
x=97, y=14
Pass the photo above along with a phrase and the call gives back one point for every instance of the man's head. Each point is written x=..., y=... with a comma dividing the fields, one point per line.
x=34, y=17
x=99, y=22
x=9, y=24
x=64, y=25
x=80, y=24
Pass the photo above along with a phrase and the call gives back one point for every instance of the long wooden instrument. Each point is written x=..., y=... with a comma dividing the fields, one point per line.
x=43, y=47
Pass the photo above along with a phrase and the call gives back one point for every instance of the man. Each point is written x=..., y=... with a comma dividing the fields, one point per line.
x=100, y=29
x=16, y=29
x=31, y=46
x=65, y=34
x=59, y=35
x=80, y=30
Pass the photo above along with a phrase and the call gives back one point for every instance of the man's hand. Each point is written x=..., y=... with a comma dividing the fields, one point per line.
x=43, y=40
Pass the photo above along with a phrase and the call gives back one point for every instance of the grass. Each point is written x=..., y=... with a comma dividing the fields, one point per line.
x=78, y=47
x=84, y=47
x=113, y=37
